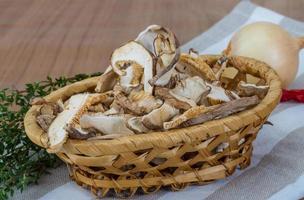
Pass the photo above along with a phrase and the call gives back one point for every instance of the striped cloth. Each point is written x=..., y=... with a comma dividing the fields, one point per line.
x=277, y=169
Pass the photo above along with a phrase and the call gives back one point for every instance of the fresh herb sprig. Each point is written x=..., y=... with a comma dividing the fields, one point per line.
x=21, y=161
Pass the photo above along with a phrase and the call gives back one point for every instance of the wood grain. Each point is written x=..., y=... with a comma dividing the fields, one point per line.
x=66, y=37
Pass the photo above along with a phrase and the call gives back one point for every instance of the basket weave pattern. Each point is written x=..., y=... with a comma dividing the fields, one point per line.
x=174, y=158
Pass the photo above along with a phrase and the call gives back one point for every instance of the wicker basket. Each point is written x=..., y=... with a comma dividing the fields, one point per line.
x=186, y=155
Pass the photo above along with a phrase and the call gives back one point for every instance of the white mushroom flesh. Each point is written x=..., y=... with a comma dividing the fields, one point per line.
x=57, y=133
x=163, y=44
x=217, y=93
x=113, y=124
x=190, y=90
x=157, y=117
x=164, y=80
x=113, y=111
x=135, y=123
x=147, y=37
x=132, y=77
x=145, y=100
x=133, y=51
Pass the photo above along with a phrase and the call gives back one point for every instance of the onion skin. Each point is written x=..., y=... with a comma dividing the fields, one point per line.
x=270, y=43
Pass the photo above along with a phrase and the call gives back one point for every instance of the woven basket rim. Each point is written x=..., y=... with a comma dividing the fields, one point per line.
x=170, y=137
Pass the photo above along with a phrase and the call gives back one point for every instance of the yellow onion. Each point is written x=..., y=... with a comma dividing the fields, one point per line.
x=270, y=43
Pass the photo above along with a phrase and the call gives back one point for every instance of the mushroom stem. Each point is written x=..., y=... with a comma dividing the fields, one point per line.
x=223, y=110
x=168, y=68
x=187, y=115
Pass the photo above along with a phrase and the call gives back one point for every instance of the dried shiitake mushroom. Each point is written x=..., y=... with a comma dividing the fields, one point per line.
x=217, y=95
x=57, y=133
x=156, y=118
x=149, y=86
x=136, y=124
x=165, y=47
x=112, y=124
x=190, y=90
x=137, y=54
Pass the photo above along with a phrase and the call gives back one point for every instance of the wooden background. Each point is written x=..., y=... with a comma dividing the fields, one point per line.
x=65, y=37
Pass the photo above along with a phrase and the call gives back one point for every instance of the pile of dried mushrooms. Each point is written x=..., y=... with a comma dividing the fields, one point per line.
x=151, y=90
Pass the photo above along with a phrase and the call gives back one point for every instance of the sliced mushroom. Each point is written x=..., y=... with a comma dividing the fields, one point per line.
x=145, y=101
x=134, y=51
x=195, y=67
x=147, y=37
x=96, y=108
x=204, y=100
x=168, y=69
x=190, y=90
x=78, y=133
x=164, y=94
x=50, y=108
x=136, y=124
x=223, y=110
x=113, y=124
x=57, y=133
x=164, y=49
x=119, y=67
x=106, y=81
x=158, y=39
x=175, y=79
x=132, y=76
x=115, y=109
x=45, y=121
x=247, y=89
x=156, y=118
x=217, y=95
x=165, y=78
x=187, y=115
x=122, y=100
x=75, y=107
x=165, y=46
x=232, y=95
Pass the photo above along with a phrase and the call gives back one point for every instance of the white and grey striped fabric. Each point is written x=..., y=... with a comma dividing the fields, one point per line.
x=277, y=169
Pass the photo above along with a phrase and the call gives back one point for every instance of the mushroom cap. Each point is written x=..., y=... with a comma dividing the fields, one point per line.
x=57, y=133
x=164, y=45
x=134, y=51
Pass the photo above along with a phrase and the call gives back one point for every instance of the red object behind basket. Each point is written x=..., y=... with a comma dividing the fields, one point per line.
x=295, y=95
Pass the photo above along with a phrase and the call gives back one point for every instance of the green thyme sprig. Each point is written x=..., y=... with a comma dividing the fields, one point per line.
x=21, y=161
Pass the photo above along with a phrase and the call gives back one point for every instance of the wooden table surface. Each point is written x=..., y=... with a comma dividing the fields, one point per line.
x=66, y=37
